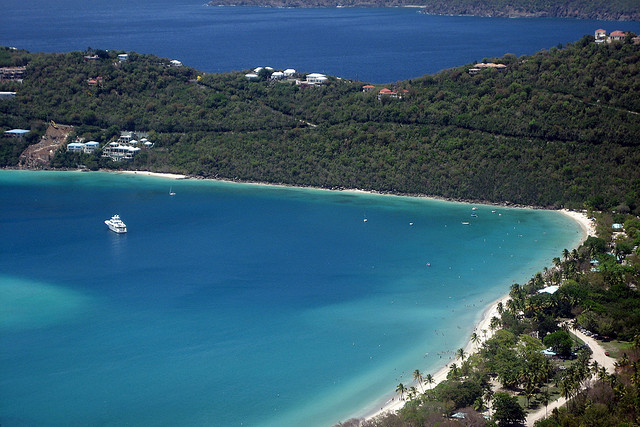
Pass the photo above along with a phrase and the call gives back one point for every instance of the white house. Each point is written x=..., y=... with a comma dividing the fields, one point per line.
x=91, y=146
x=316, y=78
x=175, y=63
x=123, y=57
x=75, y=147
x=252, y=76
x=289, y=72
x=277, y=75
x=117, y=152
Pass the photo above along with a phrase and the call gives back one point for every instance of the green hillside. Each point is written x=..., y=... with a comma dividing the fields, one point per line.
x=560, y=127
x=620, y=10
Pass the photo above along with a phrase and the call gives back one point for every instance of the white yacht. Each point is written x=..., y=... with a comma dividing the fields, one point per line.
x=116, y=225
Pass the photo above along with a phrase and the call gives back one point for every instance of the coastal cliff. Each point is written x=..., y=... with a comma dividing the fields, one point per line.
x=620, y=10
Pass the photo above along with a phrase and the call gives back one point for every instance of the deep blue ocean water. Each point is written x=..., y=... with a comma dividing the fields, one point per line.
x=375, y=45
x=232, y=304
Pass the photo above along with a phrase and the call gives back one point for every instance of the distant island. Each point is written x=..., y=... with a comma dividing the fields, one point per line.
x=618, y=10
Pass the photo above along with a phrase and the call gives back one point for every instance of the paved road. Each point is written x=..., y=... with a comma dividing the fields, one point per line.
x=598, y=355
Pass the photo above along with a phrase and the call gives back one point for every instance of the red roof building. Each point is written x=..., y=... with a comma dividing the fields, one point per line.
x=617, y=35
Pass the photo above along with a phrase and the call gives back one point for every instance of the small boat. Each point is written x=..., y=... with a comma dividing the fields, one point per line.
x=171, y=192
x=465, y=223
x=116, y=225
x=474, y=215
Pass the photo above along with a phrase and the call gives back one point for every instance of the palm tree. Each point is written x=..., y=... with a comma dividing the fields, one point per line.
x=413, y=392
x=475, y=339
x=454, y=372
x=488, y=395
x=494, y=323
x=545, y=397
x=429, y=379
x=417, y=376
x=500, y=307
x=461, y=354
x=402, y=390
x=603, y=374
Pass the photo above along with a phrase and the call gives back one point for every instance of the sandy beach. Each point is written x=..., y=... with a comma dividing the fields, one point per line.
x=156, y=174
x=588, y=226
x=394, y=403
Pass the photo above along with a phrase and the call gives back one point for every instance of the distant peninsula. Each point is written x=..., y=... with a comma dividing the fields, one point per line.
x=614, y=10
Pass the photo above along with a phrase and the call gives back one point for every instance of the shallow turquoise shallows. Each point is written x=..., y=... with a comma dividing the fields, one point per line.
x=230, y=304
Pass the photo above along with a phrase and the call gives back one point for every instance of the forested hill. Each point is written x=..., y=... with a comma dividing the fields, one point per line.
x=619, y=10
x=622, y=10
x=561, y=127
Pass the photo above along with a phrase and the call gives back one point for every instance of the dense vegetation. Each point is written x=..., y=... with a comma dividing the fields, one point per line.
x=510, y=374
x=626, y=10
x=556, y=128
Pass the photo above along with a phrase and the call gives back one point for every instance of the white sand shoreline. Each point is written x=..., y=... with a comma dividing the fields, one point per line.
x=393, y=404
x=155, y=174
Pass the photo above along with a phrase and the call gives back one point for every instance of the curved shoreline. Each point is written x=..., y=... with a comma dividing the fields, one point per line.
x=587, y=228
x=390, y=402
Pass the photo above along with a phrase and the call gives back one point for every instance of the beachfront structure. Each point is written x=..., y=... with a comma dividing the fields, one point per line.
x=82, y=147
x=75, y=147
x=91, y=146
x=549, y=290
x=117, y=152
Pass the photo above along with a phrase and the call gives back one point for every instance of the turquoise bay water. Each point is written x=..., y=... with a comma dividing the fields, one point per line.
x=231, y=304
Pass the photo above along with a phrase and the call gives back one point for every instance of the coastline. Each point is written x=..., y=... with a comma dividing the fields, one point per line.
x=338, y=189
x=155, y=174
x=391, y=401
x=392, y=404
x=587, y=227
